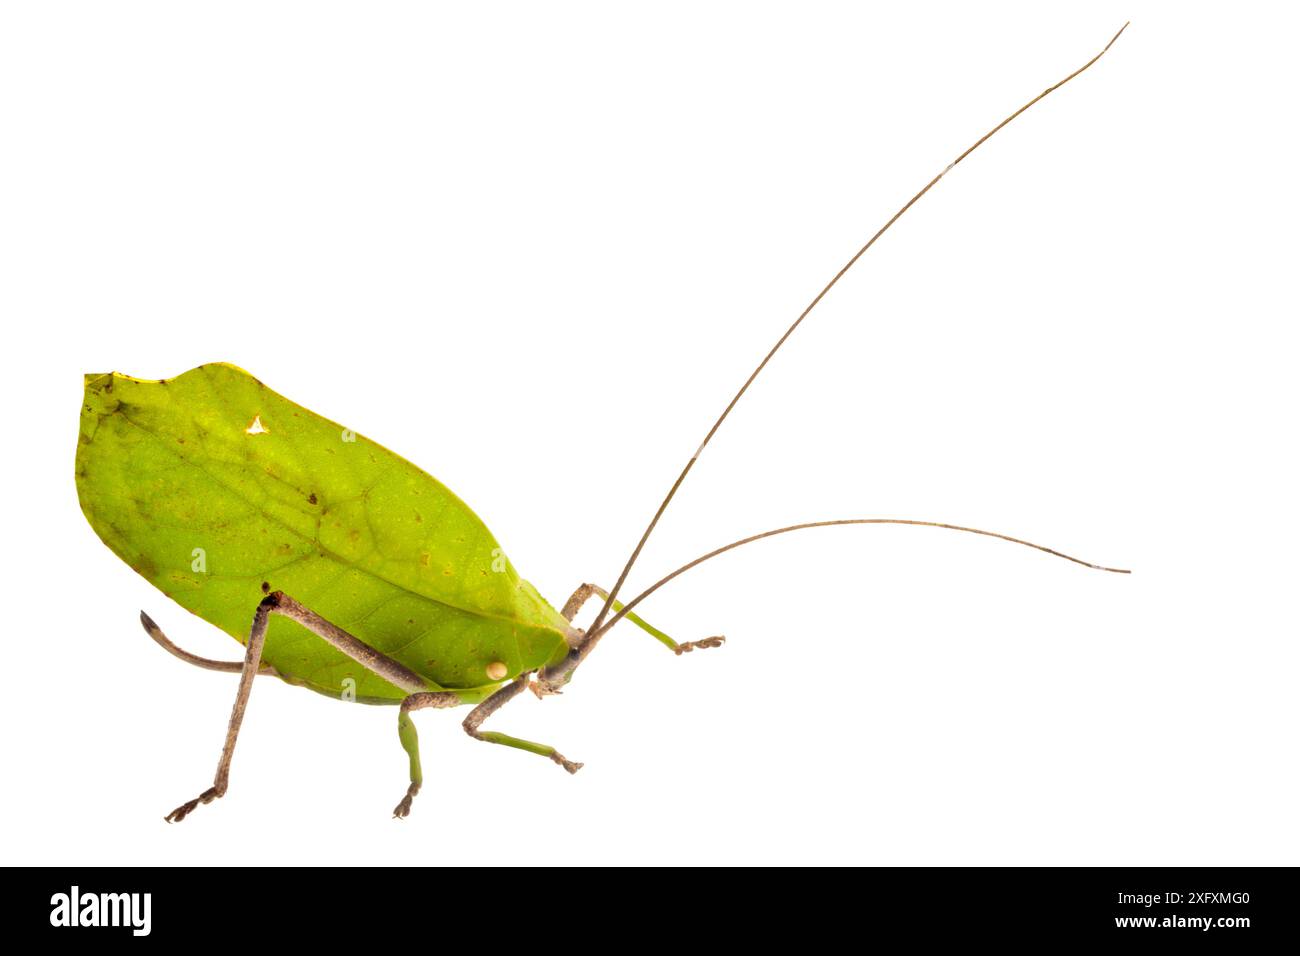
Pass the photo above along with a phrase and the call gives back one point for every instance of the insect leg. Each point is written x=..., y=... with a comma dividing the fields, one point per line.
x=490, y=706
x=411, y=741
x=278, y=602
x=553, y=678
x=228, y=667
x=585, y=592
x=577, y=599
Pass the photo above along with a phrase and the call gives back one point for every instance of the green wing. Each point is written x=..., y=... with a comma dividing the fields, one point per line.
x=212, y=486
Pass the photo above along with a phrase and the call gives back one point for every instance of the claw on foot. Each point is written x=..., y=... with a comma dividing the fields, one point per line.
x=543, y=689
x=686, y=648
x=572, y=766
x=403, y=809
x=185, y=809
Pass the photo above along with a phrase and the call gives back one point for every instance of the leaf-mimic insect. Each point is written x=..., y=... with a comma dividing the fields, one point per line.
x=365, y=578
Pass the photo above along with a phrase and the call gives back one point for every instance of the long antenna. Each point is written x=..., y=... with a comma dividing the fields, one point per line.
x=636, y=553
x=594, y=635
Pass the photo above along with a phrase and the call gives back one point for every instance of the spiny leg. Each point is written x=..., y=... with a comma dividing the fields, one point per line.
x=494, y=703
x=278, y=602
x=584, y=594
x=411, y=740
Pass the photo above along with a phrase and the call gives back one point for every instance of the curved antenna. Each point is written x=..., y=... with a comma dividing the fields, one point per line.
x=596, y=634
x=636, y=553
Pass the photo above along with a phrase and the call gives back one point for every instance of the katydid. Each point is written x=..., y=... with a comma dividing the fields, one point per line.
x=364, y=577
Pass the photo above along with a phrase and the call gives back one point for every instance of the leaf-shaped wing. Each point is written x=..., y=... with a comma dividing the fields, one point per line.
x=212, y=485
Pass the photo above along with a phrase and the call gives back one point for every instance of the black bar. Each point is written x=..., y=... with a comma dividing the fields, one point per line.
x=338, y=906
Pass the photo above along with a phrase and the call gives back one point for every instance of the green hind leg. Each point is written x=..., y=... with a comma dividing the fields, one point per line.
x=584, y=593
x=494, y=703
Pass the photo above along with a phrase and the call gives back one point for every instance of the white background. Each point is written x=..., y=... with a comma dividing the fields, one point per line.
x=535, y=248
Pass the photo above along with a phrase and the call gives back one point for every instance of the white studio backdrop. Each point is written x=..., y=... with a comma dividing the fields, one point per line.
x=535, y=248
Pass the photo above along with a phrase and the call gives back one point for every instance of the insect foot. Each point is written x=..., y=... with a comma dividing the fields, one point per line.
x=547, y=688
x=403, y=809
x=572, y=766
x=689, y=646
x=185, y=809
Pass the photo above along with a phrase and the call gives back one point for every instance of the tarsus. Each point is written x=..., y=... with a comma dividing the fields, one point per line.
x=595, y=628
